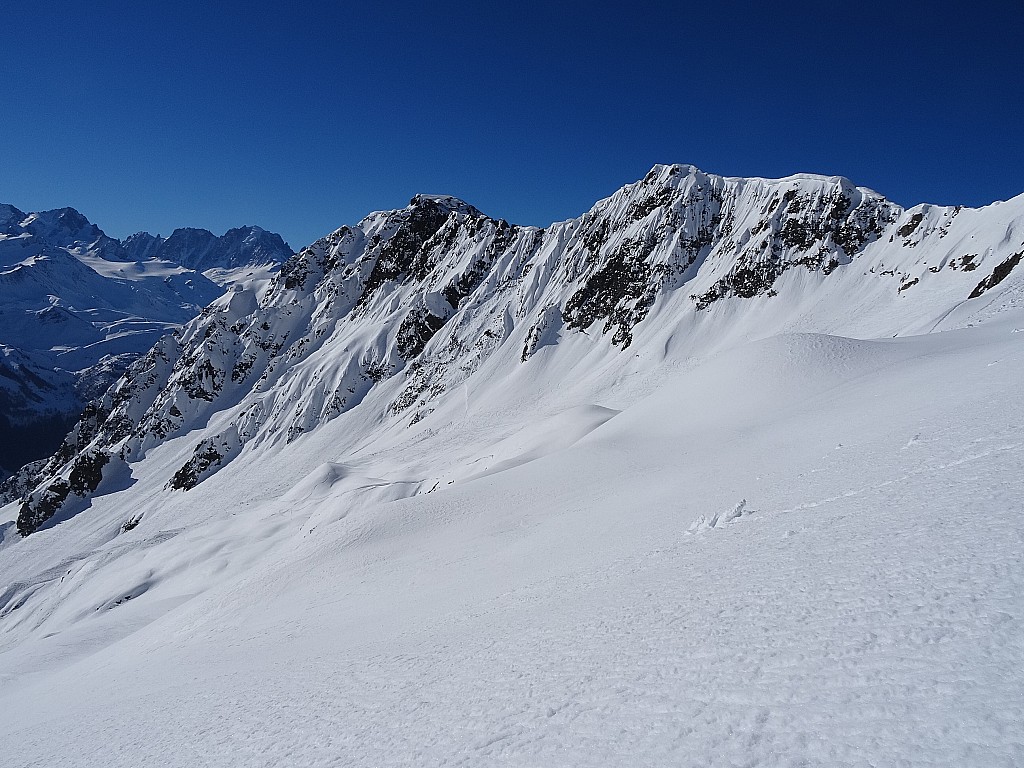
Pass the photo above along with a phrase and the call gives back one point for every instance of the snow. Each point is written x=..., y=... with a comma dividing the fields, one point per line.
x=557, y=612
x=246, y=276
x=719, y=519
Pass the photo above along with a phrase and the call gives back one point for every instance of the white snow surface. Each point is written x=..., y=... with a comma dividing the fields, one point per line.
x=767, y=534
x=557, y=612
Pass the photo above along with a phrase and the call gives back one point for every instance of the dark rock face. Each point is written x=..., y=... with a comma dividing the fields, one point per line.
x=999, y=274
x=908, y=229
x=415, y=331
x=818, y=235
x=42, y=505
x=502, y=236
x=205, y=456
x=85, y=476
x=404, y=251
x=617, y=293
x=87, y=471
x=316, y=259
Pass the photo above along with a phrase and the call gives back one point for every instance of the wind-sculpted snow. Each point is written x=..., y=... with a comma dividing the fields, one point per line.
x=405, y=310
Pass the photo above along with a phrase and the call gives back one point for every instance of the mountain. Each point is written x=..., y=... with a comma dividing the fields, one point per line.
x=408, y=306
x=201, y=250
x=78, y=306
x=723, y=470
x=142, y=246
x=63, y=228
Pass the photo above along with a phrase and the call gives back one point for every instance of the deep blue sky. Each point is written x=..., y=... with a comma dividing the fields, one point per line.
x=302, y=117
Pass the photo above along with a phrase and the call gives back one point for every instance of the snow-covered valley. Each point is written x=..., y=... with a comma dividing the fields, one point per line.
x=706, y=487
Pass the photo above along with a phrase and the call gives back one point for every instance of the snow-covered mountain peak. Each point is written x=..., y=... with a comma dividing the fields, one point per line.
x=447, y=202
x=65, y=219
x=63, y=228
x=664, y=184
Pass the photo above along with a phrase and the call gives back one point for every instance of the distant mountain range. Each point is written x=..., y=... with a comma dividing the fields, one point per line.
x=77, y=307
x=200, y=249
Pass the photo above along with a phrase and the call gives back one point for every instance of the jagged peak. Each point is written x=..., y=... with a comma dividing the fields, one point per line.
x=677, y=174
x=449, y=202
x=67, y=213
x=251, y=229
x=9, y=214
x=67, y=220
x=419, y=299
x=666, y=171
x=191, y=231
x=141, y=235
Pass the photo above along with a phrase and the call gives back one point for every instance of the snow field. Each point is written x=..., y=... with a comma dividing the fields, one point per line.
x=554, y=611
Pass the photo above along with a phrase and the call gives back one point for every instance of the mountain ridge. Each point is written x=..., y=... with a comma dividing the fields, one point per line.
x=384, y=321
x=200, y=249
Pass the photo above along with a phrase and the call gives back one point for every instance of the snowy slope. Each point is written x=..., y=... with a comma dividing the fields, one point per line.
x=864, y=610
x=453, y=491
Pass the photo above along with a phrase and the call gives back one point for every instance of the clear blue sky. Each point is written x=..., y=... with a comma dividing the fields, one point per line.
x=301, y=117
